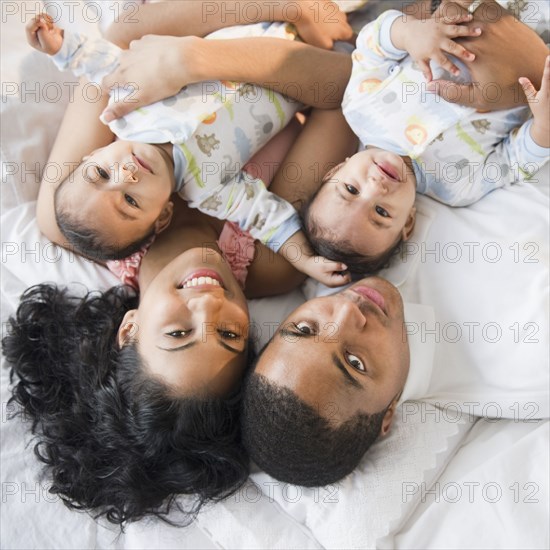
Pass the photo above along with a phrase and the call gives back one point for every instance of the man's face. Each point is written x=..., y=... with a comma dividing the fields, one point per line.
x=344, y=354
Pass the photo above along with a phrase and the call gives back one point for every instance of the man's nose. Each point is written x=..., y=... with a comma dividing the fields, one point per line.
x=347, y=315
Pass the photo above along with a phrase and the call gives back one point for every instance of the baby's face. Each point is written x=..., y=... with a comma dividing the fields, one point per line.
x=122, y=190
x=369, y=202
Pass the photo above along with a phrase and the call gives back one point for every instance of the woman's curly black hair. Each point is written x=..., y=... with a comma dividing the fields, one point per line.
x=115, y=442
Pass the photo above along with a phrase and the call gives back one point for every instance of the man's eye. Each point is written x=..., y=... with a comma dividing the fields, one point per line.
x=102, y=173
x=382, y=212
x=355, y=362
x=131, y=201
x=227, y=334
x=178, y=333
x=352, y=190
x=305, y=327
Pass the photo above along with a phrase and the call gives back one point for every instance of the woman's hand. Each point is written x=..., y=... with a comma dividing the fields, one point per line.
x=321, y=22
x=43, y=35
x=156, y=67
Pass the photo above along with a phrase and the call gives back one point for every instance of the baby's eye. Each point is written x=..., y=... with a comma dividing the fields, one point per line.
x=178, y=333
x=130, y=200
x=305, y=327
x=102, y=173
x=227, y=334
x=352, y=190
x=382, y=212
x=355, y=362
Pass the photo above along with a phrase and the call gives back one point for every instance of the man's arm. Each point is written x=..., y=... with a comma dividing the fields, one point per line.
x=319, y=22
x=161, y=65
x=325, y=141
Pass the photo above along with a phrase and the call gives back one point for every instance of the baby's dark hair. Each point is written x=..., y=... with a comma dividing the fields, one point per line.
x=116, y=442
x=341, y=250
x=292, y=442
x=89, y=241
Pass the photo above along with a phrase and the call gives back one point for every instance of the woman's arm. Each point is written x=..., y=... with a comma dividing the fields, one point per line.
x=319, y=22
x=80, y=133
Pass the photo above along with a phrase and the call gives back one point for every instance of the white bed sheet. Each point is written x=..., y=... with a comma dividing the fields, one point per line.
x=376, y=505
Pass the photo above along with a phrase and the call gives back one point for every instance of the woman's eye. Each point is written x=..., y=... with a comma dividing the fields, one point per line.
x=382, y=212
x=102, y=173
x=177, y=333
x=131, y=201
x=351, y=189
x=355, y=362
x=229, y=335
x=305, y=328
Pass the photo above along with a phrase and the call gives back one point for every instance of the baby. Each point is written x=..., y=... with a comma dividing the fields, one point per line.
x=159, y=154
x=418, y=142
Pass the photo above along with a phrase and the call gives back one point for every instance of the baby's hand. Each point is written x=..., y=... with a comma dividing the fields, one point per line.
x=325, y=271
x=43, y=35
x=432, y=39
x=299, y=253
x=321, y=23
x=539, y=103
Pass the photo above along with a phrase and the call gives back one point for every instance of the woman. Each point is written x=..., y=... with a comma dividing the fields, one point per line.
x=134, y=401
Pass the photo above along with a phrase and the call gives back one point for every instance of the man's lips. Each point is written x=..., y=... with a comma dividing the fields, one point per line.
x=372, y=295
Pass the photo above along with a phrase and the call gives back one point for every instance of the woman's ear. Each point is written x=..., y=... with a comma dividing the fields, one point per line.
x=408, y=228
x=163, y=221
x=128, y=329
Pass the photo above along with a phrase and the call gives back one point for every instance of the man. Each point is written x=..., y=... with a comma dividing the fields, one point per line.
x=327, y=384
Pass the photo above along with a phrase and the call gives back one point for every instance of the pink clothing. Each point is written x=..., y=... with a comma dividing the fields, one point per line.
x=236, y=245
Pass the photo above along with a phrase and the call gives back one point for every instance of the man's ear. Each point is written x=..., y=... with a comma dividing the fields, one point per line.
x=407, y=230
x=388, y=417
x=163, y=221
x=128, y=329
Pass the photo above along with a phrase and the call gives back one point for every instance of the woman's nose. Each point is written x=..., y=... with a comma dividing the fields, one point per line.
x=205, y=304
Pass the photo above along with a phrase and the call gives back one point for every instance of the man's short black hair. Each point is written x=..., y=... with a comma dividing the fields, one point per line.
x=292, y=442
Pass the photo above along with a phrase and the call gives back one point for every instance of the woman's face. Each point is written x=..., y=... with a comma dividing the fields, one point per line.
x=191, y=326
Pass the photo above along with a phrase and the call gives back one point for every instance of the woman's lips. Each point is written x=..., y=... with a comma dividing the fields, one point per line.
x=203, y=278
x=371, y=294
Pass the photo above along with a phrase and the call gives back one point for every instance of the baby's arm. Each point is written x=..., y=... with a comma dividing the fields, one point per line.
x=432, y=39
x=539, y=103
x=92, y=58
x=319, y=22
